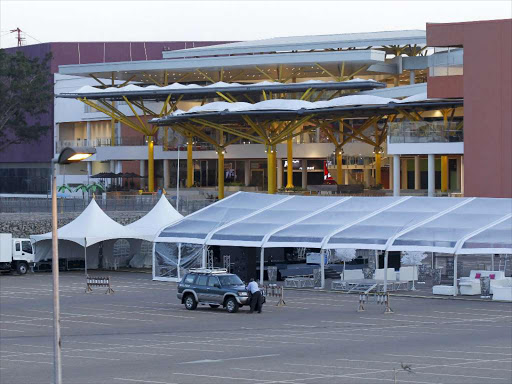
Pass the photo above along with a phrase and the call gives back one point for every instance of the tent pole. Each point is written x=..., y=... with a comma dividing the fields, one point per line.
x=203, y=262
x=179, y=261
x=262, y=265
x=376, y=259
x=492, y=262
x=455, y=257
x=322, y=269
x=385, y=271
x=85, y=255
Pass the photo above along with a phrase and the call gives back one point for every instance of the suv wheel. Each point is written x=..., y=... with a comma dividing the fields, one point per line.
x=22, y=268
x=190, y=302
x=232, y=305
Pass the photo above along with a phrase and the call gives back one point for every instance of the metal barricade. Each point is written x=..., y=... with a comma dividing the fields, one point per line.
x=381, y=298
x=100, y=282
x=274, y=290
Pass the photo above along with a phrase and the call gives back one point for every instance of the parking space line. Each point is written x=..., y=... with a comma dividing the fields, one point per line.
x=143, y=381
x=228, y=358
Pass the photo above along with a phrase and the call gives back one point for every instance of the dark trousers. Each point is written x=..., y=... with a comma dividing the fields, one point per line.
x=256, y=301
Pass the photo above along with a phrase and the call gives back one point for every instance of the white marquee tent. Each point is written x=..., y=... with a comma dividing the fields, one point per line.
x=435, y=224
x=82, y=237
x=147, y=227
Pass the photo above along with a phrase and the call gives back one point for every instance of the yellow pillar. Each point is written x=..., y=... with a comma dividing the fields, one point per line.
x=378, y=177
x=339, y=166
x=220, y=167
x=289, y=170
x=271, y=171
x=151, y=165
x=274, y=162
x=444, y=173
x=190, y=164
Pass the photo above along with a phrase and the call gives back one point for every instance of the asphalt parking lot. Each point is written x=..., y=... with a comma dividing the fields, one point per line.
x=141, y=334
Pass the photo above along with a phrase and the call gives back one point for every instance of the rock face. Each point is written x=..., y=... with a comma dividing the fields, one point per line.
x=25, y=224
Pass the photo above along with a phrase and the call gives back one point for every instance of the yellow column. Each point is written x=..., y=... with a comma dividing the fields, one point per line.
x=339, y=166
x=444, y=173
x=271, y=171
x=274, y=162
x=289, y=170
x=151, y=165
x=378, y=177
x=190, y=164
x=220, y=167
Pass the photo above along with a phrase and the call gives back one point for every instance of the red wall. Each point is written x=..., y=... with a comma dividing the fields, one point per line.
x=487, y=102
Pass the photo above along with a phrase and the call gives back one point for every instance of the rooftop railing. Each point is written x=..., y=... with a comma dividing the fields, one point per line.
x=425, y=132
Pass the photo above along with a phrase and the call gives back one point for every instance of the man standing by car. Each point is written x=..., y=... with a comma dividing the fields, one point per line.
x=256, y=298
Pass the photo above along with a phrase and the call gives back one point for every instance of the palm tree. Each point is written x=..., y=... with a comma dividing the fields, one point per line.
x=64, y=188
x=95, y=186
x=82, y=188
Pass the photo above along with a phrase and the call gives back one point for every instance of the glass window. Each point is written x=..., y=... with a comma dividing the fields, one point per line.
x=26, y=246
x=17, y=246
x=201, y=280
x=213, y=280
x=189, y=279
x=230, y=280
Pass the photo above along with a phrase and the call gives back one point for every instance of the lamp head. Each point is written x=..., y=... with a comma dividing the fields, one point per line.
x=73, y=155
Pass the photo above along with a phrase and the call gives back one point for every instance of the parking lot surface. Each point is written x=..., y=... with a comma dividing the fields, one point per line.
x=142, y=334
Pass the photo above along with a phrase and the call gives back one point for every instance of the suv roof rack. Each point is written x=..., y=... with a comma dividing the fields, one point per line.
x=208, y=270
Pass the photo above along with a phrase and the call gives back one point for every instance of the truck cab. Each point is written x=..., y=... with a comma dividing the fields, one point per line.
x=15, y=253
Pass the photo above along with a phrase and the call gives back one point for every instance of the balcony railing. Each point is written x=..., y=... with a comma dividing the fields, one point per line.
x=425, y=132
x=101, y=142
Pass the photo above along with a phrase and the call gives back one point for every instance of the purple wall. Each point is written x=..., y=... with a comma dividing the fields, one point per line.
x=83, y=53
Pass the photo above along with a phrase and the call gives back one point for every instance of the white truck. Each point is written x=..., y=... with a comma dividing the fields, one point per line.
x=15, y=254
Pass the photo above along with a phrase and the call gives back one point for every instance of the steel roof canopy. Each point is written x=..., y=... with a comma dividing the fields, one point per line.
x=307, y=43
x=331, y=112
x=198, y=93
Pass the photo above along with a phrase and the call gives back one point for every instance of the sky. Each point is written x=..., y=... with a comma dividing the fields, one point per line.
x=130, y=20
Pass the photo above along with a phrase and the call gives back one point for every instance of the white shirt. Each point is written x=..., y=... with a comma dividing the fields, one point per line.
x=253, y=287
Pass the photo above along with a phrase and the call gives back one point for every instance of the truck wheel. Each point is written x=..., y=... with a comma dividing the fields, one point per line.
x=22, y=268
x=190, y=302
x=232, y=305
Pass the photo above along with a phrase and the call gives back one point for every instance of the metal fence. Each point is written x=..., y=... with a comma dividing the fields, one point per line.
x=110, y=204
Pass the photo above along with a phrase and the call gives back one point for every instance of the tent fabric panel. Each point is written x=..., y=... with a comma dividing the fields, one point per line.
x=497, y=238
x=317, y=227
x=256, y=227
x=389, y=223
x=445, y=231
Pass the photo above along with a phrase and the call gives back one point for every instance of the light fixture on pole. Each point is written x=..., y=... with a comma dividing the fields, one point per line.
x=66, y=156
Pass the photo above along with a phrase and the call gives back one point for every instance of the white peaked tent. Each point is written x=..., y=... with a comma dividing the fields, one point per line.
x=81, y=238
x=147, y=227
x=162, y=215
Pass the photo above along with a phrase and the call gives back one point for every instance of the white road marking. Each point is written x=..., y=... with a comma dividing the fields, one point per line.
x=228, y=359
x=143, y=381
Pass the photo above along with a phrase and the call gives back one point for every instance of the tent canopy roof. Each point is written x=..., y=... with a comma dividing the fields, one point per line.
x=451, y=225
x=90, y=227
x=162, y=215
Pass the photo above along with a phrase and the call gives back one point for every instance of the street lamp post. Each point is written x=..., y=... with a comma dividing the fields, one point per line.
x=66, y=156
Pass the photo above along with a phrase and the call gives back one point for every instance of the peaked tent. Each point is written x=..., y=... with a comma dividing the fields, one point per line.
x=162, y=215
x=92, y=234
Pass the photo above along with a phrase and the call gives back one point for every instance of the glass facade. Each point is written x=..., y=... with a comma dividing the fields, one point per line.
x=25, y=180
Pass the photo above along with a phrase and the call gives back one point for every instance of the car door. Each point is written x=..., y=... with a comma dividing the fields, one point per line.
x=201, y=287
x=215, y=292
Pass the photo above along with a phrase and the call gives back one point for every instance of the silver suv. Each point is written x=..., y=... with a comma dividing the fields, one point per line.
x=213, y=287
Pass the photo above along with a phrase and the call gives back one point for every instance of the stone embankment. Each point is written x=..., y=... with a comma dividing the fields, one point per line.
x=26, y=224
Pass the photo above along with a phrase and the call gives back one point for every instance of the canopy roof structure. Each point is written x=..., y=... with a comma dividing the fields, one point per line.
x=90, y=227
x=195, y=91
x=448, y=225
x=284, y=109
x=162, y=215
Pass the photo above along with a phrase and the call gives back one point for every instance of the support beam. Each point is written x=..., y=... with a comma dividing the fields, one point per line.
x=455, y=257
x=289, y=169
x=271, y=171
x=142, y=172
x=279, y=174
x=417, y=173
x=151, y=165
x=274, y=159
x=167, y=174
x=431, y=175
x=304, y=173
x=404, y=183
x=262, y=264
x=390, y=161
x=190, y=164
x=339, y=166
x=378, y=167
x=412, y=77
x=444, y=173
x=247, y=172
x=220, y=173
x=396, y=176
